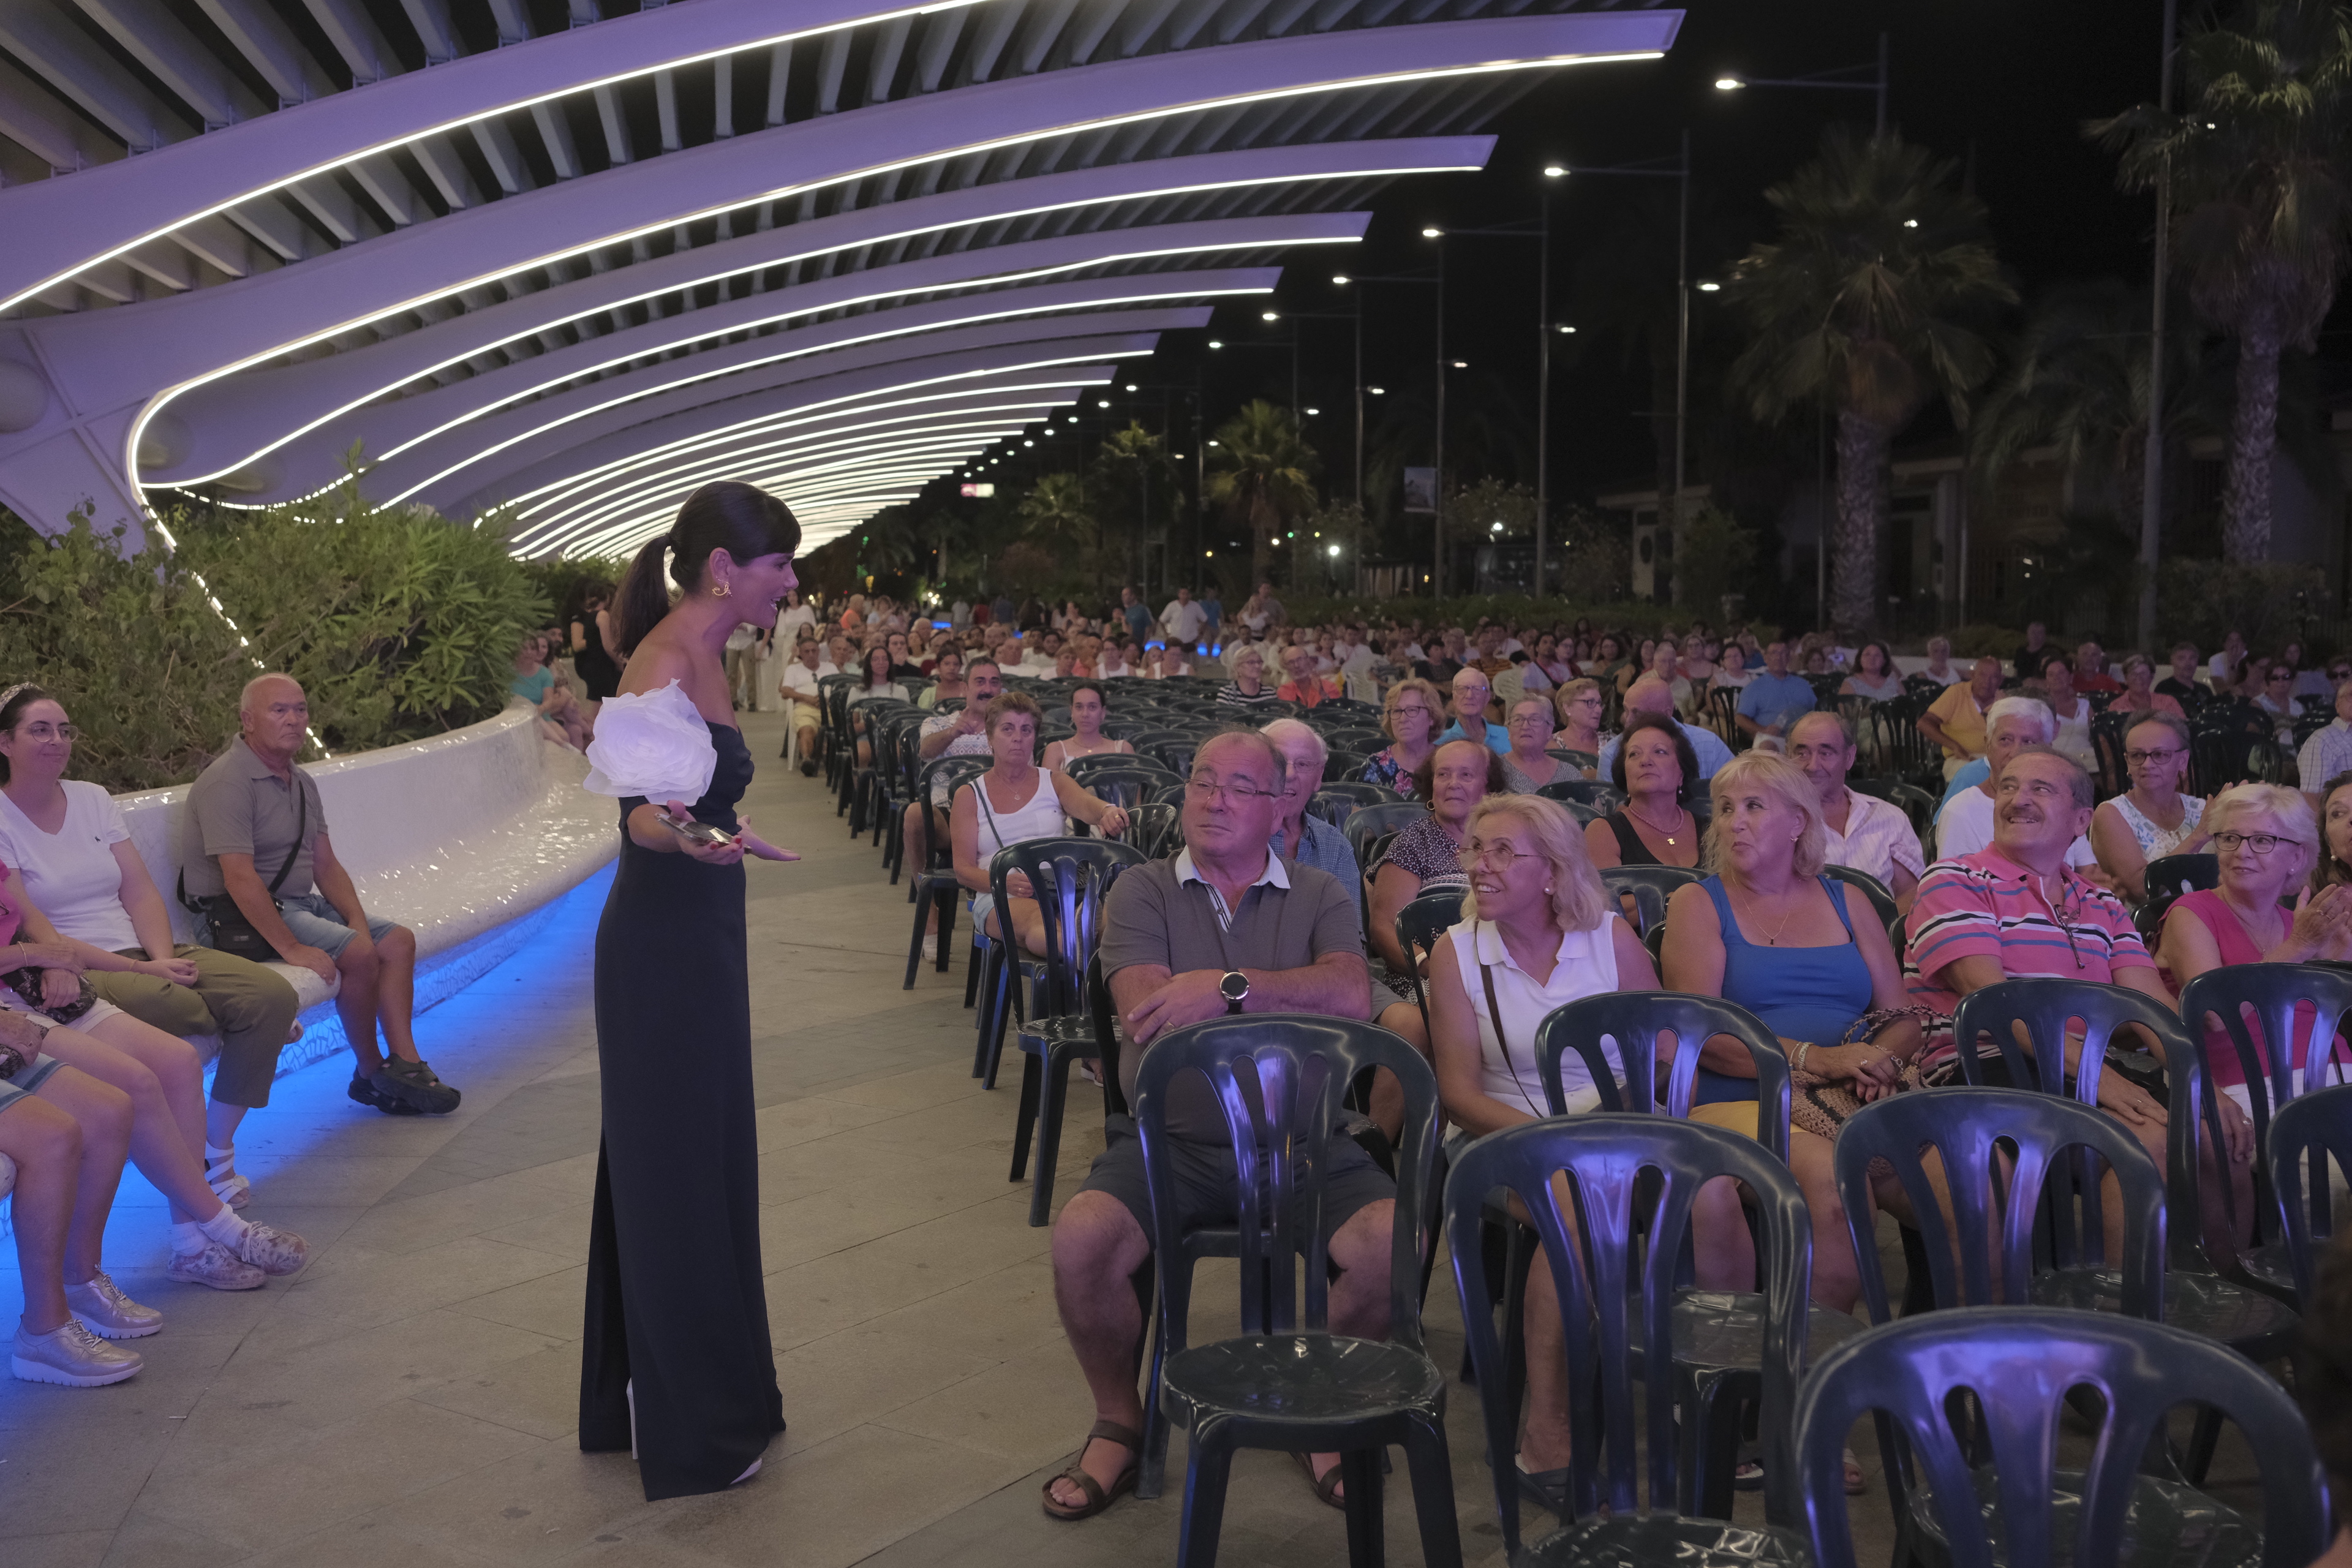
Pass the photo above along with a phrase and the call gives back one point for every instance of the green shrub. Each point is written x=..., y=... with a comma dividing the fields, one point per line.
x=398, y=623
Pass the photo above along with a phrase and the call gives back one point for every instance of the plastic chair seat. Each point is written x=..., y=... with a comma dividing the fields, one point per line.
x=1722, y=1331
x=1632, y=1539
x=2166, y=1524
x=2248, y=1322
x=2270, y=1268
x=1312, y=1380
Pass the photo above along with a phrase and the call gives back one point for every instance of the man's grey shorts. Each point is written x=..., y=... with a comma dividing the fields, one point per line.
x=1208, y=1183
x=314, y=922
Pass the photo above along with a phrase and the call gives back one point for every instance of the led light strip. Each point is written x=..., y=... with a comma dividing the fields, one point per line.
x=1105, y=123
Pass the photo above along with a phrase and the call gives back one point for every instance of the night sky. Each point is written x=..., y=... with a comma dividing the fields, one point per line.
x=1997, y=86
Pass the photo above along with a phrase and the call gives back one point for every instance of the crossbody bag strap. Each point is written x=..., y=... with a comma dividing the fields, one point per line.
x=1495, y=1016
x=301, y=822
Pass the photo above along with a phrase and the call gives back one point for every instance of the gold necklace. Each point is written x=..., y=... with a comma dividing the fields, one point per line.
x=1679, y=814
x=1774, y=940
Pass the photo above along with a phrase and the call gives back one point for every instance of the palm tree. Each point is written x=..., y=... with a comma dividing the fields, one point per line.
x=1867, y=299
x=2078, y=380
x=2262, y=207
x=1126, y=469
x=1265, y=473
x=1057, y=512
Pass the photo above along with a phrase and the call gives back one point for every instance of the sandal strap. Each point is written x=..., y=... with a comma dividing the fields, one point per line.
x=1126, y=1437
x=1086, y=1484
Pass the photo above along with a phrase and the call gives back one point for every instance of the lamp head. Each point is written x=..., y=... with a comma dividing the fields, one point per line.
x=1729, y=83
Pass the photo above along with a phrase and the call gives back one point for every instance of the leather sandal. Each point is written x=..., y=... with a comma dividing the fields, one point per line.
x=1327, y=1489
x=1098, y=1499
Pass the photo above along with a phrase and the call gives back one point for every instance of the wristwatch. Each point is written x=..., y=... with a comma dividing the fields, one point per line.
x=1234, y=988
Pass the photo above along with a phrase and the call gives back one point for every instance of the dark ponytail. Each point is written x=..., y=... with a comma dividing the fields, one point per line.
x=12, y=713
x=725, y=514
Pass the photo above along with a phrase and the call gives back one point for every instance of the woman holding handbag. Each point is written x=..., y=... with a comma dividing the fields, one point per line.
x=1805, y=953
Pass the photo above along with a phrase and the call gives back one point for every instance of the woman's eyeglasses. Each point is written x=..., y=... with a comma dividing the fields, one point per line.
x=2259, y=843
x=44, y=731
x=1475, y=853
x=2141, y=759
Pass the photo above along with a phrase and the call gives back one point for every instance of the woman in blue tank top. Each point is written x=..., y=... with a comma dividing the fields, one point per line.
x=1805, y=953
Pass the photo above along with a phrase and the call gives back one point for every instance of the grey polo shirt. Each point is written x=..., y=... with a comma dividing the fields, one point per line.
x=1163, y=913
x=237, y=806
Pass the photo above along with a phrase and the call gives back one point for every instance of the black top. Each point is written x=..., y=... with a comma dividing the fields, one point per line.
x=1631, y=850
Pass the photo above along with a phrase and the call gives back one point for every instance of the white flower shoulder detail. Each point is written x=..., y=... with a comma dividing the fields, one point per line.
x=656, y=745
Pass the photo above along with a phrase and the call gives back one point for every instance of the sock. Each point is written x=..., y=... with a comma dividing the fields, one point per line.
x=226, y=1229
x=188, y=1238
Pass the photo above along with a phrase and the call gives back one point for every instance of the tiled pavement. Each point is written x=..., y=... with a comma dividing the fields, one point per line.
x=410, y=1398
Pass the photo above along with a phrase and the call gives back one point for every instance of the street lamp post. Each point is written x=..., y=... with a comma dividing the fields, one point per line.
x=1677, y=168
x=1343, y=280
x=1825, y=81
x=2151, y=501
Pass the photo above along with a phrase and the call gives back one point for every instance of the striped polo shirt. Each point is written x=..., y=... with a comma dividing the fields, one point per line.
x=1987, y=905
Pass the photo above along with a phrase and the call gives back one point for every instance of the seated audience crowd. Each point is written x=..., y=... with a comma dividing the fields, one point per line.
x=1542, y=762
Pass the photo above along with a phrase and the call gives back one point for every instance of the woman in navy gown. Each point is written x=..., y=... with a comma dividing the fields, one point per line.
x=677, y=1365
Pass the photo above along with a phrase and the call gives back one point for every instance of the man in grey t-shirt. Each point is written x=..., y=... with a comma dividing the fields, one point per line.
x=1180, y=937
x=244, y=813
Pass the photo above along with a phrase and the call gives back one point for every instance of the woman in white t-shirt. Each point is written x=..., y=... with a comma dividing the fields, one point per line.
x=162, y=1075
x=1538, y=930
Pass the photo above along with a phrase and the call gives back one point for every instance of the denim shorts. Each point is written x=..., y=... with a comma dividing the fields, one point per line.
x=314, y=922
x=34, y=1074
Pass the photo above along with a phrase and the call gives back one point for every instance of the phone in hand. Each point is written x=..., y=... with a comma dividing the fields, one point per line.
x=696, y=831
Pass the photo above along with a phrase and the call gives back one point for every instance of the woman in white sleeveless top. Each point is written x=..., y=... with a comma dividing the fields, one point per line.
x=1538, y=930
x=1014, y=801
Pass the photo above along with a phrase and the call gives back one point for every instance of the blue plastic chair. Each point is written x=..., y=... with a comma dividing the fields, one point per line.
x=1072, y=879
x=2022, y=1365
x=2196, y=1296
x=1649, y=886
x=1288, y=1382
x=2308, y=1133
x=1719, y=1334
x=2272, y=992
x=2024, y=1205
x=1623, y=1174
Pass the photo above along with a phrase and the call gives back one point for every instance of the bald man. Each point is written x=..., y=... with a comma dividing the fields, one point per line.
x=1651, y=695
x=254, y=851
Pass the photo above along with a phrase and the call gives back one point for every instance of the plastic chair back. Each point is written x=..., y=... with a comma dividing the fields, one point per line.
x=1071, y=878
x=2272, y=992
x=1632, y=1021
x=1118, y=766
x=1367, y=823
x=1629, y=1179
x=1419, y=925
x=1281, y=1080
x=2170, y=876
x=1650, y=887
x=1157, y=829
x=2044, y=1005
x=1976, y=1132
x=1599, y=794
x=2022, y=1365
x=1882, y=897
x=2306, y=1135
x=947, y=774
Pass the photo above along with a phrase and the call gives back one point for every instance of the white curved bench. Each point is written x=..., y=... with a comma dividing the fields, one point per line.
x=463, y=838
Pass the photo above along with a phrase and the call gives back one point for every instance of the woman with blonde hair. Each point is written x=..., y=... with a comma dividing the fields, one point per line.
x=1538, y=930
x=1411, y=714
x=1581, y=705
x=2265, y=839
x=1771, y=931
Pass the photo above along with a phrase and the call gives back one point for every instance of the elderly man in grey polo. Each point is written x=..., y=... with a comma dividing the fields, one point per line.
x=1183, y=941
x=252, y=815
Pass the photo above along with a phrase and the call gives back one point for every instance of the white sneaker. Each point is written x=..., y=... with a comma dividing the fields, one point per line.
x=931, y=947
x=107, y=1312
x=72, y=1356
x=273, y=1251
x=216, y=1266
